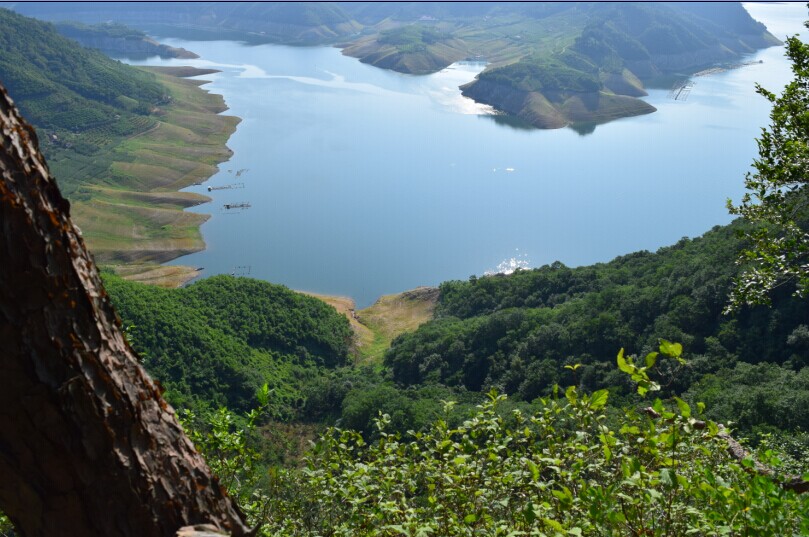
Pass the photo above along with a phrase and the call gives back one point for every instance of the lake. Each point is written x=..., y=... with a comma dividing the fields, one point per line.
x=363, y=182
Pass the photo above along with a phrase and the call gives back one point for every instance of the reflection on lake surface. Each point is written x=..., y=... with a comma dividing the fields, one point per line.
x=364, y=182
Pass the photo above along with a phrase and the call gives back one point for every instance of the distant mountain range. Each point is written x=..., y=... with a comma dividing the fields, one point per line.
x=550, y=64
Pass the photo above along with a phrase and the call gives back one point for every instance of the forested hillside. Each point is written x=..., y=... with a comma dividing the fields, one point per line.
x=516, y=333
x=216, y=342
x=65, y=89
x=119, y=41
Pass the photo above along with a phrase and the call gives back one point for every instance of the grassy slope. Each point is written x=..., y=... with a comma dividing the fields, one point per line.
x=376, y=326
x=121, y=141
x=129, y=210
x=393, y=315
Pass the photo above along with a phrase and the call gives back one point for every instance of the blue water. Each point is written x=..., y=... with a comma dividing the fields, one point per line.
x=364, y=182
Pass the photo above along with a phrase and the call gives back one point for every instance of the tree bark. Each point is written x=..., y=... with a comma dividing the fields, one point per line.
x=87, y=444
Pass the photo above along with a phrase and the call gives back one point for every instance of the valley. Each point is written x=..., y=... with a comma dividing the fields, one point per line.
x=605, y=328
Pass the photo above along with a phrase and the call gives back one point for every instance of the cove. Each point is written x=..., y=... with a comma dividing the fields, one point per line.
x=363, y=182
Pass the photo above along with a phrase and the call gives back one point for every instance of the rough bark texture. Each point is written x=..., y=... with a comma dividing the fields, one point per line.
x=87, y=444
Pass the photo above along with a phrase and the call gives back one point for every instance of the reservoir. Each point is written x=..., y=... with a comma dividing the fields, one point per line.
x=363, y=182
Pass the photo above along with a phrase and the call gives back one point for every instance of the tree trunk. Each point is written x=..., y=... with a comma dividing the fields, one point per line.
x=87, y=444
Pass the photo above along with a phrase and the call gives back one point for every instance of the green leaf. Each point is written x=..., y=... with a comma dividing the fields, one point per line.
x=470, y=518
x=529, y=513
x=675, y=350
x=623, y=365
x=263, y=395
x=651, y=358
x=533, y=468
x=570, y=393
x=599, y=399
x=685, y=410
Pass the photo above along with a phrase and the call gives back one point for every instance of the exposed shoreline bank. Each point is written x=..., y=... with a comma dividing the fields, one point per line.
x=376, y=326
x=141, y=222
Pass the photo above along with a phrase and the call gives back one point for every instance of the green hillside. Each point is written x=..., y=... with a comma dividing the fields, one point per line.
x=77, y=98
x=121, y=141
x=216, y=342
x=521, y=335
x=515, y=333
x=119, y=41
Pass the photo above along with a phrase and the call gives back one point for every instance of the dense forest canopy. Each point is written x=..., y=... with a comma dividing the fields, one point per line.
x=62, y=85
x=216, y=342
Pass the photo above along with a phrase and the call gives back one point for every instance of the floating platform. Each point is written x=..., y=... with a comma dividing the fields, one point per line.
x=226, y=187
x=681, y=90
x=240, y=270
x=239, y=206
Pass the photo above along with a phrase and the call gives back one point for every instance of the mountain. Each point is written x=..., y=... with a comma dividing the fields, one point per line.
x=118, y=40
x=120, y=140
x=550, y=64
x=63, y=87
x=301, y=23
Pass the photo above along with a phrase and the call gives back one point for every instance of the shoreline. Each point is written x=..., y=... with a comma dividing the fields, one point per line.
x=376, y=326
x=141, y=222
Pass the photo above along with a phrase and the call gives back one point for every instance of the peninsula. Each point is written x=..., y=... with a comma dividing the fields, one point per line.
x=549, y=64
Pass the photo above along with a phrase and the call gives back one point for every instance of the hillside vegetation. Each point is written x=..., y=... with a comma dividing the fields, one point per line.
x=120, y=141
x=521, y=335
x=515, y=333
x=119, y=41
x=65, y=89
x=216, y=342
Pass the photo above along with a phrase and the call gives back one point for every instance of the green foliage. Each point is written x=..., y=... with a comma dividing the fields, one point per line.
x=776, y=201
x=6, y=527
x=561, y=470
x=79, y=100
x=411, y=38
x=543, y=75
x=37, y=64
x=757, y=398
x=516, y=333
x=219, y=341
x=108, y=29
x=226, y=441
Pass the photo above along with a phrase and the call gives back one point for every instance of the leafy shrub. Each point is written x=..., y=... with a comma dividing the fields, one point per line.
x=562, y=470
